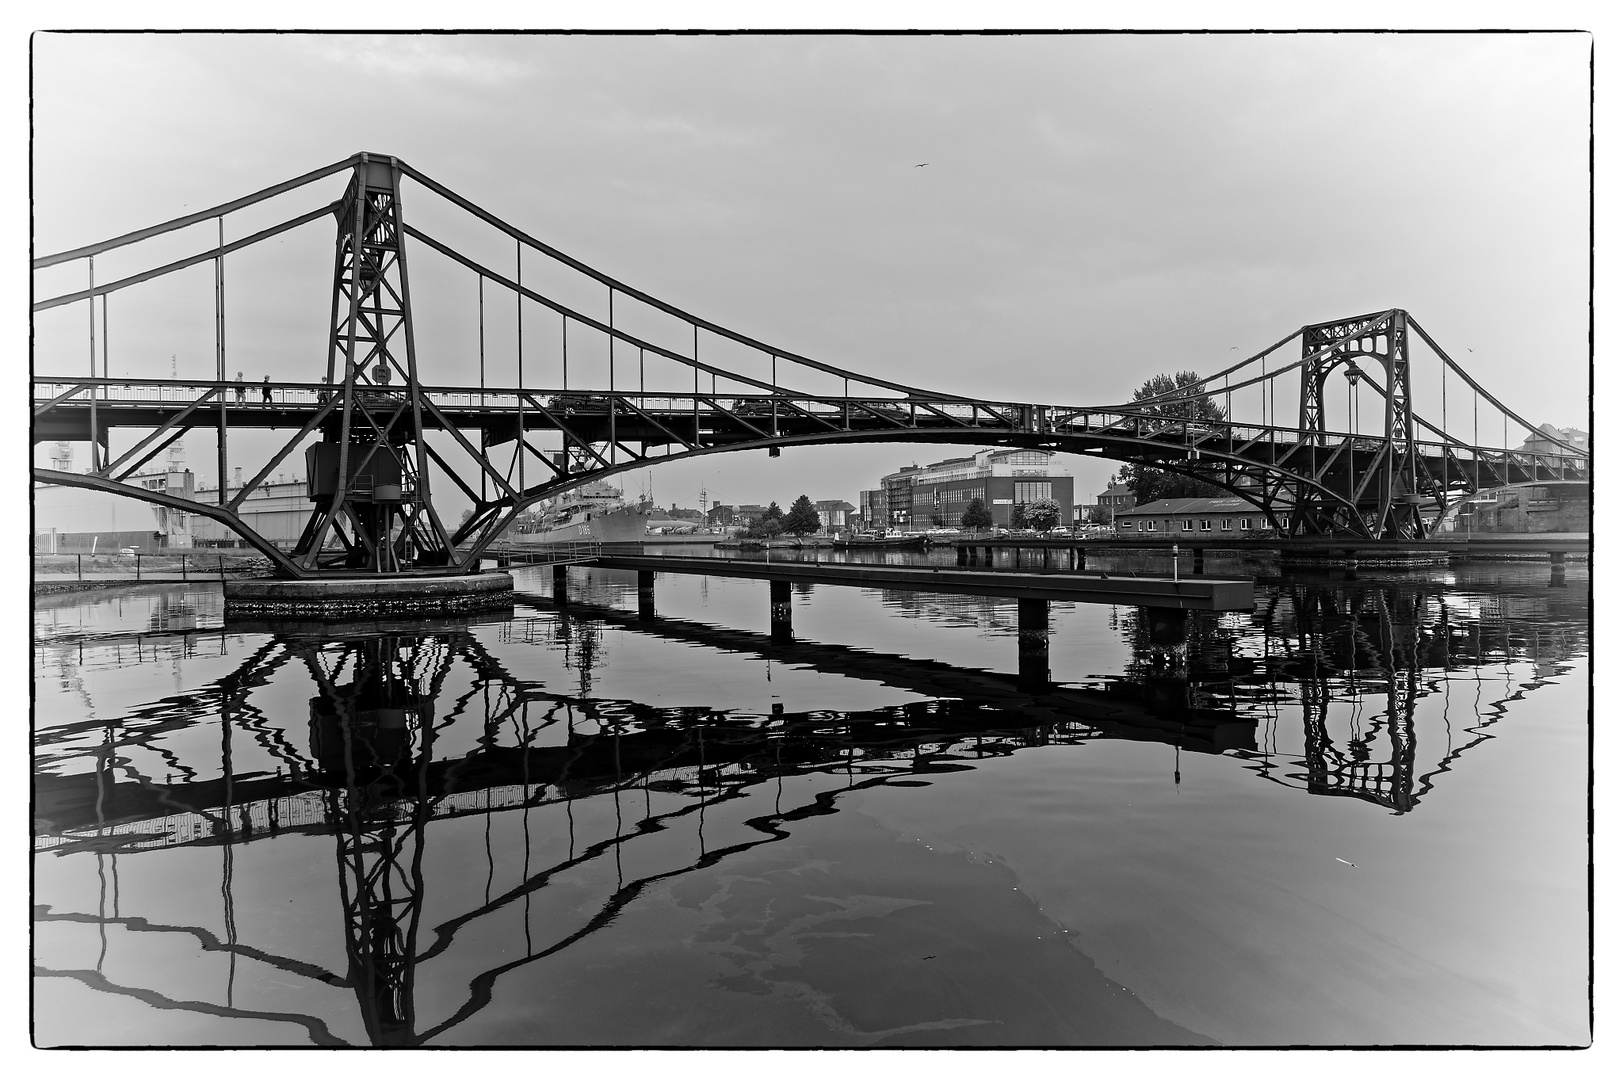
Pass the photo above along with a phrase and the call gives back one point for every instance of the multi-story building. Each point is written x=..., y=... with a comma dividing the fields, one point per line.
x=898, y=498
x=1524, y=508
x=1111, y=501
x=833, y=513
x=936, y=495
x=872, y=510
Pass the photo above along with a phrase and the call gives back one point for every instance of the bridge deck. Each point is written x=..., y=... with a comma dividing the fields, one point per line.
x=1190, y=593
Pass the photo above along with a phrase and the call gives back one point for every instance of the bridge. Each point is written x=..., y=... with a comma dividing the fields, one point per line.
x=662, y=384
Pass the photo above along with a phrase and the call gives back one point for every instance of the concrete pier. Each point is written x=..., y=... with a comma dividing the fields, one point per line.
x=366, y=596
x=783, y=630
x=1032, y=632
x=645, y=594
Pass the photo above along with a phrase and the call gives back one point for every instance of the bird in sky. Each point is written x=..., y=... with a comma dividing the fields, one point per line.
x=921, y=164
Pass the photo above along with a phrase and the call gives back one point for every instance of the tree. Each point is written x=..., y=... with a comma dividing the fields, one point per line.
x=1042, y=514
x=1017, y=516
x=1148, y=483
x=772, y=512
x=802, y=518
x=976, y=516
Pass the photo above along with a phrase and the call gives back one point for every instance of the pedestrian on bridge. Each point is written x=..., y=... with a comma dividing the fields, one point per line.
x=321, y=395
x=241, y=390
x=267, y=390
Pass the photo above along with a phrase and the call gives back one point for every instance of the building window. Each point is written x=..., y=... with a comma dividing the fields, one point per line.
x=1245, y=523
x=1149, y=526
x=1188, y=525
x=1031, y=491
x=1228, y=524
x=1205, y=524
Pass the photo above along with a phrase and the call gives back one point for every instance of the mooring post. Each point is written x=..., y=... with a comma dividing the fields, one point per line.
x=1045, y=558
x=1032, y=636
x=560, y=582
x=1081, y=559
x=963, y=556
x=988, y=554
x=183, y=568
x=1558, y=569
x=80, y=560
x=137, y=566
x=645, y=594
x=783, y=630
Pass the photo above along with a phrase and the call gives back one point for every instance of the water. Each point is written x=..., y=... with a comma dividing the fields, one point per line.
x=1354, y=816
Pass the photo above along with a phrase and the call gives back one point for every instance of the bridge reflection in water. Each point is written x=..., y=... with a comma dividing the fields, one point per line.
x=415, y=724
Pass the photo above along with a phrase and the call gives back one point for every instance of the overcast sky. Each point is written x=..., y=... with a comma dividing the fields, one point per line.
x=1096, y=209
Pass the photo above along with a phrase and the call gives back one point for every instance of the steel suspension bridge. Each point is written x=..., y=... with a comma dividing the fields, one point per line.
x=664, y=384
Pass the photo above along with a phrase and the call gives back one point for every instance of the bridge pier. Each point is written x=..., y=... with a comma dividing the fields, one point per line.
x=368, y=597
x=645, y=594
x=783, y=631
x=1032, y=635
x=1166, y=626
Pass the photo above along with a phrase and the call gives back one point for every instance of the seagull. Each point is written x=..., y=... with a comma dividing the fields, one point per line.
x=1233, y=347
x=921, y=164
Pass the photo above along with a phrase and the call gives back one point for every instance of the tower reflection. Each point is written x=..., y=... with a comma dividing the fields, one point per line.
x=412, y=725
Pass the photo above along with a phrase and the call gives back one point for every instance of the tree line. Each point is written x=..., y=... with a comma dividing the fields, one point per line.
x=801, y=519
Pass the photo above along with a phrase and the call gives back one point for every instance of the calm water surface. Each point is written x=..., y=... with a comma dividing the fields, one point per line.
x=1356, y=815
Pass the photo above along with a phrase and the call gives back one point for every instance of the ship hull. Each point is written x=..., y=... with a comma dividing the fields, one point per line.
x=617, y=526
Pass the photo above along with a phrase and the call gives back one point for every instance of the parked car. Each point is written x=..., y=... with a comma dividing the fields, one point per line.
x=126, y=551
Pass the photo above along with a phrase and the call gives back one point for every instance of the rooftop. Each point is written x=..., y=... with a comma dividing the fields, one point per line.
x=1227, y=505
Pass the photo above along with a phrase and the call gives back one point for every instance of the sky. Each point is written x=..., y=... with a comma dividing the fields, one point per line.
x=1096, y=209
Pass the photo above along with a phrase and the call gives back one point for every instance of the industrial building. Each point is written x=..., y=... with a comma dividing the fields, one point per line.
x=1196, y=518
x=936, y=495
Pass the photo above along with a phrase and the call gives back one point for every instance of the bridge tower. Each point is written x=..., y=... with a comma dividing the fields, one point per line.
x=1384, y=487
x=368, y=475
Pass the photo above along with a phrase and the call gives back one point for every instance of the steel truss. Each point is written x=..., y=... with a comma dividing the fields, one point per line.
x=374, y=513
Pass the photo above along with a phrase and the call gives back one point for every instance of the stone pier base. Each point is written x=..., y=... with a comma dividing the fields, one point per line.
x=358, y=597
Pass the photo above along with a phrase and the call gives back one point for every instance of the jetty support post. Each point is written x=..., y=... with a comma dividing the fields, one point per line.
x=645, y=594
x=783, y=631
x=1032, y=636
